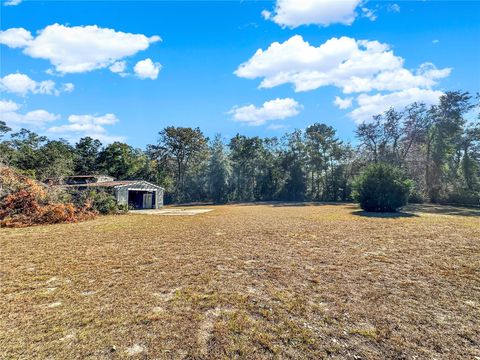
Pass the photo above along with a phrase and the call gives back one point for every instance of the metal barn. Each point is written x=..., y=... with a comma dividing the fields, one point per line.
x=136, y=194
x=139, y=195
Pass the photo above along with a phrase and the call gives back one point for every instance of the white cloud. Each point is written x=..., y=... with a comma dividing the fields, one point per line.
x=394, y=8
x=107, y=119
x=436, y=41
x=266, y=14
x=18, y=83
x=47, y=87
x=369, y=14
x=77, y=49
x=343, y=103
x=68, y=87
x=147, y=69
x=354, y=66
x=370, y=105
x=277, y=109
x=36, y=118
x=349, y=64
x=276, y=127
x=15, y=37
x=87, y=125
x=22, y=84
x=294, y=13
x=8, y=106
x=78, y=125
x=12, y=2
x=119, y=67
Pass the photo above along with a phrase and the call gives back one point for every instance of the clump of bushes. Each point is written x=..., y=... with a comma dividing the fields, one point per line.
x=25, y=202
x=381, y=188
x=416, y=197
x=101, y=200
x=462, y=197
x=104, y=203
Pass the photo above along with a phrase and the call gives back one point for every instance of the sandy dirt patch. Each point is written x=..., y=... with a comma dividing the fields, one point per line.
x=171, y=212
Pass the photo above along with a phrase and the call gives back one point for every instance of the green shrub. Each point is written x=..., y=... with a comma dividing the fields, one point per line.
x=122, y=208
x=416, y=197
x=462, y=197
x=381, y=188
x=102, y=201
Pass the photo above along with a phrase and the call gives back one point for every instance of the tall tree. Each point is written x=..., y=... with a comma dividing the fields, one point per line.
x=470, y=158
x=5, y=149
x=56, y=160
x=121, y=161
x=26, y=146
x=370, y=136
x=3, y=129
x=87, y=151
x=293, y=164
x=218, y=171
x=270, y=177
x=390, y=147
x=181, y=145
x=323, y=151
x=245, y=154
x=446, y=122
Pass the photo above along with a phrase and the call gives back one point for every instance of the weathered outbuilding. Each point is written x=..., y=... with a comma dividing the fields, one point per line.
x=139, y=194
x=136, y=194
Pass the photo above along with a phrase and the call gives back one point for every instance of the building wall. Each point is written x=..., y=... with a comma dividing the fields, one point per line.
x=159, y=199
x=122, y=197
x=121, y=191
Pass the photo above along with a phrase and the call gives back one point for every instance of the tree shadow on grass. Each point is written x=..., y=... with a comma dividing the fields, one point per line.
x=288, y=203
x=443, y=209
x=384, y=215
x=191, y=204
x=413, y=210
x=297, y=203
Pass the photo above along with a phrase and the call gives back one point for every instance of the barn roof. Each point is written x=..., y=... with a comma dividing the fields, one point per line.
x=118, y=184
x=87, y=176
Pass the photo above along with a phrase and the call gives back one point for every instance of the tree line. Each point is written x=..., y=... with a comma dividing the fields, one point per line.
x=437, y=147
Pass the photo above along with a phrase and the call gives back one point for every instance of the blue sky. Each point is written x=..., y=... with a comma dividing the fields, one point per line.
x=204, y=43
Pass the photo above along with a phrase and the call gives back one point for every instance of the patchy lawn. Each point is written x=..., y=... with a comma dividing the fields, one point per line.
x=245, y=281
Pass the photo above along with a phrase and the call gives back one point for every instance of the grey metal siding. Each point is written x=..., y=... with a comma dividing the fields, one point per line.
x=122, y=192
x=122, y=196
x=158, y=199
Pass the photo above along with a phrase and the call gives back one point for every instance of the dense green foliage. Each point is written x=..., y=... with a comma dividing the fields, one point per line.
x=381, y=187
x=100, y=200
x=438, y=147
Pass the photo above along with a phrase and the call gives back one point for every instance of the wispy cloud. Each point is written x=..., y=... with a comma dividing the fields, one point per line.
x=87, y=125
x=22, y=85
x=277, y=109
x=9, y=112
x=11, y=2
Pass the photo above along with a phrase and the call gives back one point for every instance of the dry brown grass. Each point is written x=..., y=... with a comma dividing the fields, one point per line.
x=260, y=281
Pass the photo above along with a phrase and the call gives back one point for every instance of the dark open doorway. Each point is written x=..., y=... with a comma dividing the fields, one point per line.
x=141, y=199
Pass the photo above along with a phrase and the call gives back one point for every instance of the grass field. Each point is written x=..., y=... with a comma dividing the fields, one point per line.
x=245, y=281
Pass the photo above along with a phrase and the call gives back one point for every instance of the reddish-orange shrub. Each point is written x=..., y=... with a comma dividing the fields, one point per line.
x=25, y=202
